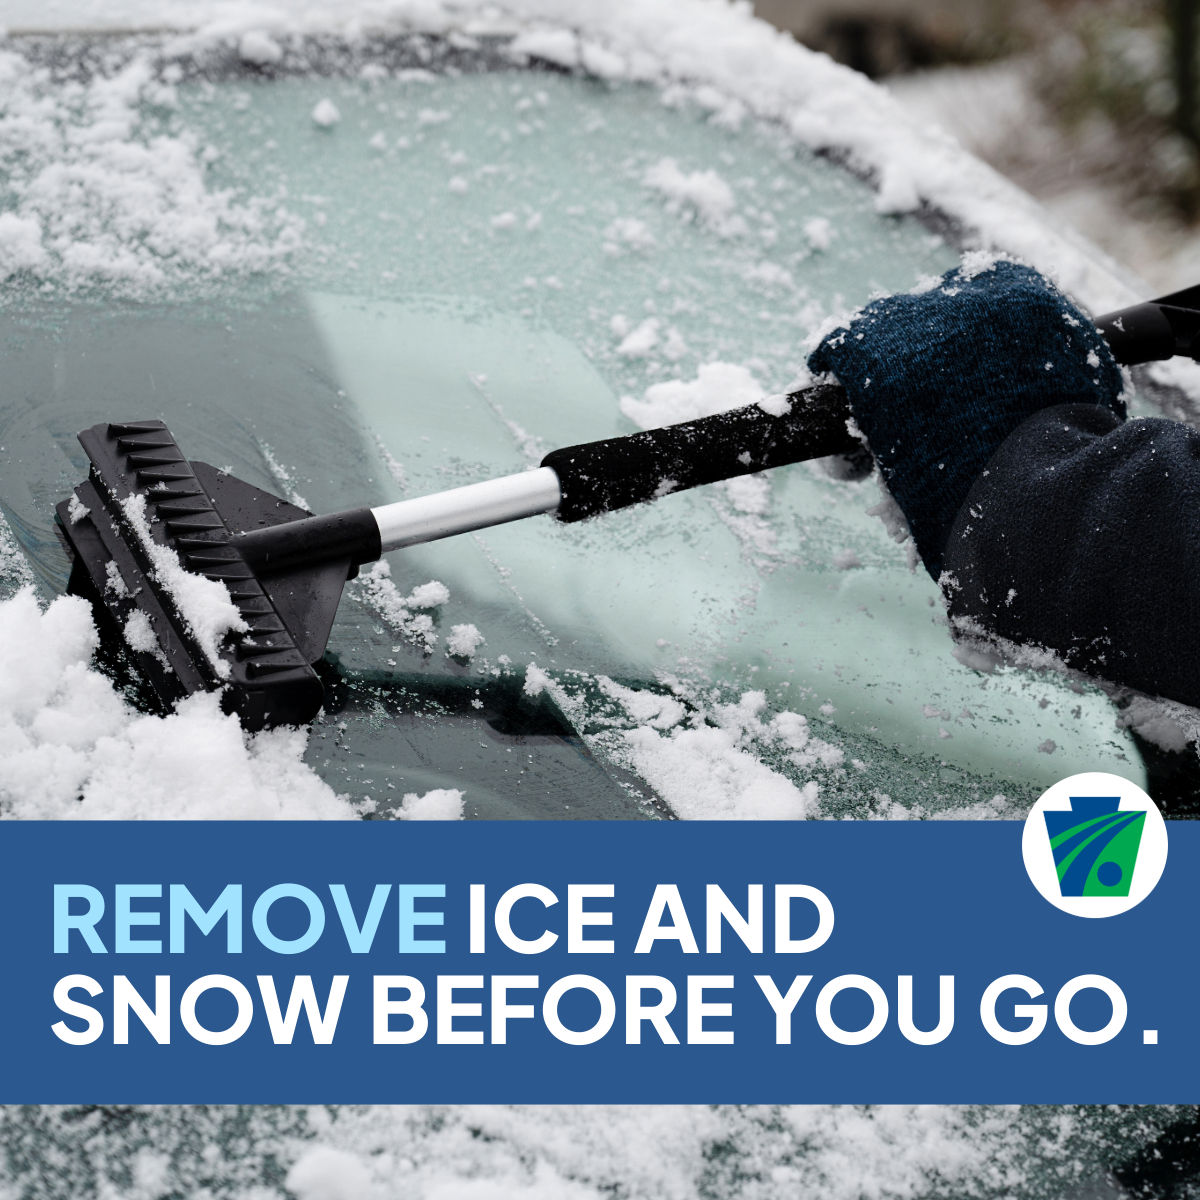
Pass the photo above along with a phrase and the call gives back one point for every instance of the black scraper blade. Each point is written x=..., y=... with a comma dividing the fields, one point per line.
x=265, y=673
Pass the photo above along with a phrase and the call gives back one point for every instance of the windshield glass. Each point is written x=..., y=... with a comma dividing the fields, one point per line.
x=437, y=278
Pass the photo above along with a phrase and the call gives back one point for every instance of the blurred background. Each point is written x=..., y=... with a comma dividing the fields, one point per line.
x=1093, y=106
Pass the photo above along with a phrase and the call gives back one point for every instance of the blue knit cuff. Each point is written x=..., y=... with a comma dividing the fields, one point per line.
x=938, y=379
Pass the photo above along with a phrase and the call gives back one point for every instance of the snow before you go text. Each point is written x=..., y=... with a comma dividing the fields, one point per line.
x=397, y=921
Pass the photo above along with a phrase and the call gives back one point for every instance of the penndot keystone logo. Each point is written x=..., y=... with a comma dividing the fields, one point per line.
x=1094, y=845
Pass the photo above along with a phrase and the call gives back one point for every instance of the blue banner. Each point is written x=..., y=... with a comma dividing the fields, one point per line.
x=597, y=962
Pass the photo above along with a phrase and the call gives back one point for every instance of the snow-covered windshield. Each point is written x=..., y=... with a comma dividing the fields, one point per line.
x=394, y=274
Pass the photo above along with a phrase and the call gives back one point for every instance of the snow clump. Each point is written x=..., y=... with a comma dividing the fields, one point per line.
x=21, y=246
x=705, y=775
x=718, y=387
x=638, y=342
x=463, y=641
x=819, y=232
x=703, y=193
x=259, y=48
x=628, y=233
x=407, y=615
x=325, y=114
x=324, y=1173
x=441, y=804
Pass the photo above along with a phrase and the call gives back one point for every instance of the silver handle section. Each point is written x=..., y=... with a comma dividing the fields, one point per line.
x=476, y=506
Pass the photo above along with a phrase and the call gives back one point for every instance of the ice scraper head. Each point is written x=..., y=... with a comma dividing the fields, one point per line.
x=155, y=544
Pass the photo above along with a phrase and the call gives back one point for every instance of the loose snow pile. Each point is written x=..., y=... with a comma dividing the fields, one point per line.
x=717, y=770
x=704, y=758
x=71, y=747
x=407, y=615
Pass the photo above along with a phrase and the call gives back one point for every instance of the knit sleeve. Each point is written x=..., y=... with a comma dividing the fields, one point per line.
x=1082, y=534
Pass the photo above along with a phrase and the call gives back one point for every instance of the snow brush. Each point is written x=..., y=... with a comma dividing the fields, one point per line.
x=154, y=535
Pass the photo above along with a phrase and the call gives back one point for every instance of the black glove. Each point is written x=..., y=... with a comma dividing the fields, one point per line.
x=937, y=380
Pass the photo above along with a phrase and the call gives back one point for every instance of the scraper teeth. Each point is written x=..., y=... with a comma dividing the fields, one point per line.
x=183, y=508
x=146, y=441
x=164, y=474
x=185, y=490
x=257, y=609
x=234, y=570
x=199, y=523
x=155, y=458
x=260, y=651
x=211, y=562
x=207, y=549
x=135, y=427
x=265, y=624
x=257, y=668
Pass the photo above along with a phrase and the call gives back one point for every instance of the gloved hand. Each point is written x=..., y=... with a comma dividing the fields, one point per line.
x=937, y=380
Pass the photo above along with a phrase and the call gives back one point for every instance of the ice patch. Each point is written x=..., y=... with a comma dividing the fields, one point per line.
x=14, y=567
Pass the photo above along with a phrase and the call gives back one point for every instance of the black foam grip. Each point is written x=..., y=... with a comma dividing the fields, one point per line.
x=598, y=477
x=1143, y=333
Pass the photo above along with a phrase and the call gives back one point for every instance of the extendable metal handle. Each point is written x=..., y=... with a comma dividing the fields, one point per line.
x=460, y=510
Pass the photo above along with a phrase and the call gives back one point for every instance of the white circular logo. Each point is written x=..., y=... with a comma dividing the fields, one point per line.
x=1094, y=845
